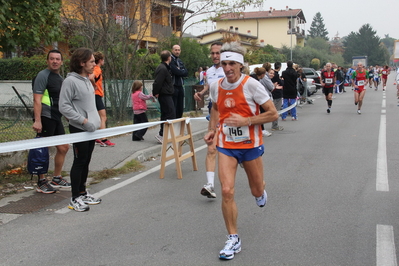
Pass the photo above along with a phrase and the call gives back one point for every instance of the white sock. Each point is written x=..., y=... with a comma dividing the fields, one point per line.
x=210, y=176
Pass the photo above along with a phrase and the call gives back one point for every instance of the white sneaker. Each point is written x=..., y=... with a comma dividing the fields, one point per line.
x=208, y=191
x=78, y=205
x=266, y=133
x=89, y=199
x=159, y=138
x=358, y=111
x=232, y=246
x=261, y=201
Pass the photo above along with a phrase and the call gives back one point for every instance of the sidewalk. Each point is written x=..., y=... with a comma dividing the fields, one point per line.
x=125, y=150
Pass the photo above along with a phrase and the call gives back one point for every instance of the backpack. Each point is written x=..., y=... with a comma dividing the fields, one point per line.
x=38, y=161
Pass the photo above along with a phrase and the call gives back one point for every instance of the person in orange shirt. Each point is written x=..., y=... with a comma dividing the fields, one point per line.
x=360, y=78
x=97, y=80
x=236, y=101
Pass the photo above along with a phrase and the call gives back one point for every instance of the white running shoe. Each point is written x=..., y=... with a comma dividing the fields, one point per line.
x=261, y=201
x=208, y=191
x=232, y=246
x=89, y=199
x=266, y=133
x=159, y=138
x=358, y=111
x=78, y=205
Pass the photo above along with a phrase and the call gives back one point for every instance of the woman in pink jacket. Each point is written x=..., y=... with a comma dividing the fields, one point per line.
x=139, y=109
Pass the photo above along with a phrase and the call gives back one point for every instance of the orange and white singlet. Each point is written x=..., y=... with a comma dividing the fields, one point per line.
x=244, y=98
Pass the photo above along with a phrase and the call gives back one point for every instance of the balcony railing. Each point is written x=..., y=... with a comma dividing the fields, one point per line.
x=159, y=30
x=298, y=32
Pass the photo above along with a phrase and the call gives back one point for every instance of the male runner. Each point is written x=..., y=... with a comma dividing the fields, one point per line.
x=213, y=74
x=360, y=78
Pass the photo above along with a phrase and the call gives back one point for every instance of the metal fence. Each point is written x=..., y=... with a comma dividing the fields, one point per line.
x=16, y=111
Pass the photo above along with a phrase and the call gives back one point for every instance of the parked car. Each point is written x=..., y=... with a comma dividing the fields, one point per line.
x=311, y=86
x=312, y=74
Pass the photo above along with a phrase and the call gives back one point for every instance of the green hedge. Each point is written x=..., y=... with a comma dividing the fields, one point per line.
x=23, y=68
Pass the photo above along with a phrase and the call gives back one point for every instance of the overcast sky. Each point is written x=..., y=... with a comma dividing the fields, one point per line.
x=342, y=16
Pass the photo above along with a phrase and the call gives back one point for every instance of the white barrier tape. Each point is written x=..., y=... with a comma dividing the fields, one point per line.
x=288, y=108
x=28, y=144
x=188, y=119
x=71, y=138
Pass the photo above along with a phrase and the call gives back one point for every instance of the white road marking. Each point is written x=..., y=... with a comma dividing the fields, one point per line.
x=385, y=250
x=382, y=167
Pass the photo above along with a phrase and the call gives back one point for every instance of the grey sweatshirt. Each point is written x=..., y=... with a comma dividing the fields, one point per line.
x=77, y=102
x=267, y=83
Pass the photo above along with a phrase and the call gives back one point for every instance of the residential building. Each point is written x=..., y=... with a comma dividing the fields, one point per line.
x=147, y=20
x=273, y=27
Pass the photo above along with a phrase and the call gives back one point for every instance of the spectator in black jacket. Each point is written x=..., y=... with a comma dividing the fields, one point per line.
x=163, y=90
x=178, y=71
x=277, y=93
x=289, y=90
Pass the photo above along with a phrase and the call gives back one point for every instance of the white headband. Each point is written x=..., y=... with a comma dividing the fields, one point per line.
x=232, y=56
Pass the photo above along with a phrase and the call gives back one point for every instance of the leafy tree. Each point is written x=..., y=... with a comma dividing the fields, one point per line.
x=261, y=55
x=189, y=47
x=318, y=43
x=28, y=23
x=365, y=42
x=97, y=27
x=389, y=43
x=317, y=28
x=315, y=63
x=304, y=56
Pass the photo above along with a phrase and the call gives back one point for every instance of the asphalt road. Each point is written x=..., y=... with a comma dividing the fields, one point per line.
x=329, y=203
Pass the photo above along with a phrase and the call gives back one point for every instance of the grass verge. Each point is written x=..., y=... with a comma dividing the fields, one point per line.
x=16, y=179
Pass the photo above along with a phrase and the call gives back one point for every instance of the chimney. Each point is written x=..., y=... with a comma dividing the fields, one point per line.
x=262, y=43
x=249, y=32
x=286, y=8
x=237, y=29
x=231, y=28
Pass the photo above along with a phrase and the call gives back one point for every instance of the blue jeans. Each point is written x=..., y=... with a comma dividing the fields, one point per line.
x=286, y=103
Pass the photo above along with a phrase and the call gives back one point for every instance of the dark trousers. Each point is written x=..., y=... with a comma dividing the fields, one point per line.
x=82, y=152
x=341, y=87
x=137, y=119
x=168, y=110
x=178, y=100
x=262, y=111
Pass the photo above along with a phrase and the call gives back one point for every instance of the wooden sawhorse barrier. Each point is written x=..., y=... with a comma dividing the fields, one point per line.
x=177, y=141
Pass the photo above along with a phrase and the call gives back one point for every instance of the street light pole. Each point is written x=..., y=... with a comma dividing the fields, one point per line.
x=291, y=33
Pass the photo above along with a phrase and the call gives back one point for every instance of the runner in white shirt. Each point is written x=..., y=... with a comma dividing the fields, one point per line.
x=213, y=74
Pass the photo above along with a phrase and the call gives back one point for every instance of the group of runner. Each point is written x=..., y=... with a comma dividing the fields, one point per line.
x=377, y=75
x=359, y=78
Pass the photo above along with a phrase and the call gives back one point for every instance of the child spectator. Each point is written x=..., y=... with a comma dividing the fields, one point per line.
x=139, y=109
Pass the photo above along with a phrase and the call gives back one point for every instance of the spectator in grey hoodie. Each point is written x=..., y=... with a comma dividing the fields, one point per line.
x=269, y=87
x=77, y=104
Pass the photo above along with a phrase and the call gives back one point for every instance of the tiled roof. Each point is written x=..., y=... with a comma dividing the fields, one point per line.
x=272, y=13
x=221, y=31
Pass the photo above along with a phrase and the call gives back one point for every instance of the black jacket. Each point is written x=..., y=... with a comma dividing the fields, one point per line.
x=163, y=80
x=178, y=71
x=289, y=90
x=277, y=94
